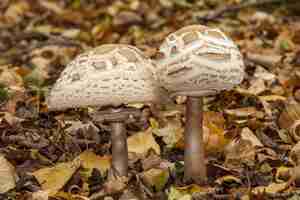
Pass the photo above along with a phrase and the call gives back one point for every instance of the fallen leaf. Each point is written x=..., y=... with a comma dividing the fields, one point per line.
x=115, y=184
x=11, y=79
x=282, y=174
x=52, y=179
x=171, y=133
x=228, y=179
x=156, y=178
x=90, y=160
x=242, y=112
x=248, y=135
x=8, y=175
x=213, y=132
x=272, y=188
x=295, y=154
x=40, y=195
x=141, y=142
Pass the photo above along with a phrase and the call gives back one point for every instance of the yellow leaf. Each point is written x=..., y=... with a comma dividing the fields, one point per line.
x=228, y=179
x=52, y=179
x=171, y=134
x=272, y=188
x=8, y=176
x=156, y=177
x=142, y=142
x=90, y=160
x=282, y=173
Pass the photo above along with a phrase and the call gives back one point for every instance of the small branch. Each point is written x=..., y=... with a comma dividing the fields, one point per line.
x=232, y=8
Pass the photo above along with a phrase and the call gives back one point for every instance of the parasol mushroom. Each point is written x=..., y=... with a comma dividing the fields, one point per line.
x=198, y=61
x=108, y=76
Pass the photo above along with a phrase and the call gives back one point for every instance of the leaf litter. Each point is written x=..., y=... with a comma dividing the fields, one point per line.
x=251, y=133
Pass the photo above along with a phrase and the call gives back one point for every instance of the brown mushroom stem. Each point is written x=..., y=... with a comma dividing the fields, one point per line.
x=119, y=148
x=118, y=118
x=194, y=162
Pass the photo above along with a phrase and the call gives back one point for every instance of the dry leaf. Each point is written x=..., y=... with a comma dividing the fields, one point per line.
x=8, y=175
x=242, y=112
x=52, y=179
x=40, y=195
x=295, y=154
x=213, y=132
x=228, y=179
x=156, y=178
x=141, y=142
x=248, y=135
x=239, y=151
x=272, y=188
x=90, y=160
x=10, y=78
x=171, y=134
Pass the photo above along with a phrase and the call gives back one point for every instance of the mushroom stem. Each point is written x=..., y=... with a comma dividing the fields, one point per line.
x=119, y=148
x=194, y=163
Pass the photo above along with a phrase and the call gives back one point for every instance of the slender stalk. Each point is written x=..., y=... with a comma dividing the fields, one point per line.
x=194, y=161
x=119, y=148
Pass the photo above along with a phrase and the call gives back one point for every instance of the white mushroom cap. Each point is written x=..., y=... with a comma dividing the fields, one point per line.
x=199, y=61
x=111, y=74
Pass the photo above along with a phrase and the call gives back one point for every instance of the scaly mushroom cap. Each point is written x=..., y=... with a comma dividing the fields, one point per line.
x=199, y=61
x=111, y=74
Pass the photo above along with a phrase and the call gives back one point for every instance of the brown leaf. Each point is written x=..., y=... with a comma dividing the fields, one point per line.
x=8, y=175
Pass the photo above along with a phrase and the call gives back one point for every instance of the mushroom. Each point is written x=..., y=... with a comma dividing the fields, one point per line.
x=108, y=76
x=198, y=61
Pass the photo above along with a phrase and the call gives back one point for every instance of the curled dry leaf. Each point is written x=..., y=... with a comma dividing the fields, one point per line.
x=257, y=86
x=10, y=78
x=11, y=119
x=290, y=119
x=127, y=18
x=263, y=74
x=186, y=192
x=51, y=6
x=16, y=11
x=40, y=195
x=155, y=161
x=273, y=188
x=228, y=179
x=239, y=150
x=89, y=130
x=115, y=184
x=248, y=135
x=282, y=174
x=8, y=175
x=244, y=112
x=295, y=154
x=267, y=60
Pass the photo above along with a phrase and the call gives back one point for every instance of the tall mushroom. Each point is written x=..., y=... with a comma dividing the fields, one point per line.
x=198, y=61
x=108, y=76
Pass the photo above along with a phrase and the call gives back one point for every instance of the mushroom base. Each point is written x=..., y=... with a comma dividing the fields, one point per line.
x=194, y=161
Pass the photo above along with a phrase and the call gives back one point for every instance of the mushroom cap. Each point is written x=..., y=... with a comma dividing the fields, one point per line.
x=199, y=61
x=109, y=75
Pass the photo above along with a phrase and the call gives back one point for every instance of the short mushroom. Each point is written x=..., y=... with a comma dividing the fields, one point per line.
x=108, y=76
x=198, y=61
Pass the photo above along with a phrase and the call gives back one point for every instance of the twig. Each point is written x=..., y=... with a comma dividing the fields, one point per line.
x=232, y=8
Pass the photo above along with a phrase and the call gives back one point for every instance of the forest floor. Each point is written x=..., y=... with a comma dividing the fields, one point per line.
x=251, y=133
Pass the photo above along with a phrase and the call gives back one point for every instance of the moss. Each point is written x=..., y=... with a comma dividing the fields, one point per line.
x=3, y=93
